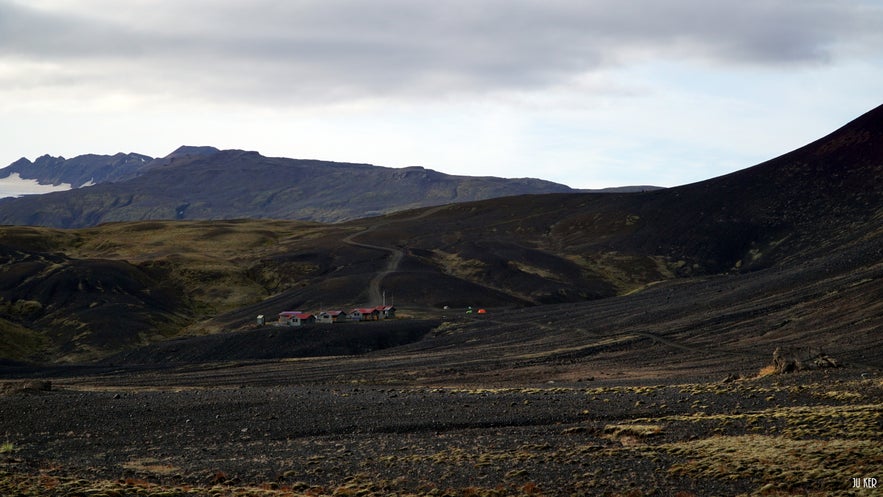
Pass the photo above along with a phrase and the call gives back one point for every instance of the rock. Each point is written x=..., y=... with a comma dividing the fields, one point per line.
x=731, y=378
x=789, y=360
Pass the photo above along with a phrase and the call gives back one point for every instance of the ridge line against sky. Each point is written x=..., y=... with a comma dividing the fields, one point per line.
x=587, y=93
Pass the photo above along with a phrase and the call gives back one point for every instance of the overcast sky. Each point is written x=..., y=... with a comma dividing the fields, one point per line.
x=587, y=93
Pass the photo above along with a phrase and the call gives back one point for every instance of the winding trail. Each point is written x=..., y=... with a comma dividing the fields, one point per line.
x=375, y=294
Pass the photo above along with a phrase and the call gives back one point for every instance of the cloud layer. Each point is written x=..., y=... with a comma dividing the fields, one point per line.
x=591, y=93
x=327, y=51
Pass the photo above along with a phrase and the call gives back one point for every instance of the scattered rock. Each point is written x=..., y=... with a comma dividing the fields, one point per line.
x=731, y=378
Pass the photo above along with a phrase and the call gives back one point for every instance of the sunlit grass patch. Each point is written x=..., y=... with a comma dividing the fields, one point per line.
x=823, y=422
x=638, y=430
x=631, y=434
x=621, y=390
x=150, y=465
x=782, y=462
x=841, y=395
x=766, y=371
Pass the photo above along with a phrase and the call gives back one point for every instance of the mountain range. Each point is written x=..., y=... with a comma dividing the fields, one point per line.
x=207, y=183
x=789, y=251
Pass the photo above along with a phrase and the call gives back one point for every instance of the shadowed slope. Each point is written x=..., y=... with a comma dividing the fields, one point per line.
x=80, y=308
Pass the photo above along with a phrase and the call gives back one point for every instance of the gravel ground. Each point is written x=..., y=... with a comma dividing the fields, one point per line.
x=555, y=439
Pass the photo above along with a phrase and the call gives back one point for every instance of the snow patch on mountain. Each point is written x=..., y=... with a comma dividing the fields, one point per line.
x=16, y=186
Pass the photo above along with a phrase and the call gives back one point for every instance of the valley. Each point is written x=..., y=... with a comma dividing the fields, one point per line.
x=663, y=391
x=627, y=348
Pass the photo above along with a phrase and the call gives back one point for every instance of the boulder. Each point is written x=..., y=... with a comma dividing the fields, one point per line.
x=791, y=359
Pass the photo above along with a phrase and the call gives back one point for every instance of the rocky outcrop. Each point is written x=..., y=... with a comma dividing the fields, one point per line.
x=791, y=359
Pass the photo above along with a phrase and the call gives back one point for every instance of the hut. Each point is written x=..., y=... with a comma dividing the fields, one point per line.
x=364, y=314
x=386, y=311
x=329, y=317
x=295, y=318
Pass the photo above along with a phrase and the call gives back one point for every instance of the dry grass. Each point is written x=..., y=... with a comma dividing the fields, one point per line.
x=208, y=240
x=210, y=259
x=17, y=341
x=632, y=430
x=766, y=371
x=455, y=265
x=628, y=273
x=150, y=465
x=630, y=435
x=784, y=463
x=357, y=486
x=813, y=445
x=531, y=269
x=788, y=448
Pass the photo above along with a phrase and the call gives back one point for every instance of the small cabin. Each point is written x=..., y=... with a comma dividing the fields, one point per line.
x=386, y=311
x=295, y=318
x=364, y=314
x=329, y=317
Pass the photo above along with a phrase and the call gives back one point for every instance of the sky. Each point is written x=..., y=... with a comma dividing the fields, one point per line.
x=589, y=93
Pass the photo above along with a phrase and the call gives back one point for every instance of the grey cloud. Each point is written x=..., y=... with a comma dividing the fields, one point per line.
x=309, y=50
x=43, y=35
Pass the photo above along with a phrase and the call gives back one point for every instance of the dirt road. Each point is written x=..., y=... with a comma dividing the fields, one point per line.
x=375, y=291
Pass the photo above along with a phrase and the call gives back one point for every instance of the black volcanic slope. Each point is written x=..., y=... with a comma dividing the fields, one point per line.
x=80, y=307
x=789, y=251
x=205, y=183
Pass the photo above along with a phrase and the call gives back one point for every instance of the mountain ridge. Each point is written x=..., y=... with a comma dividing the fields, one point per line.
x=78, y=171
x=207, y=183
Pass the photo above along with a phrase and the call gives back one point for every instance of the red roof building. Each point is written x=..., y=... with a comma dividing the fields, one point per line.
x=364, y=314
x=295, y=318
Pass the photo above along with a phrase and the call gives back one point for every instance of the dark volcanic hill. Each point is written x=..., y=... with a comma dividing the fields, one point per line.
x=76, y=306
x=790, y=249
x=206, y=183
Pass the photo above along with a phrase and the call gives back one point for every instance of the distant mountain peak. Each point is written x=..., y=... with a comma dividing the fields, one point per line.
x=83, y=170
x=185, y=150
